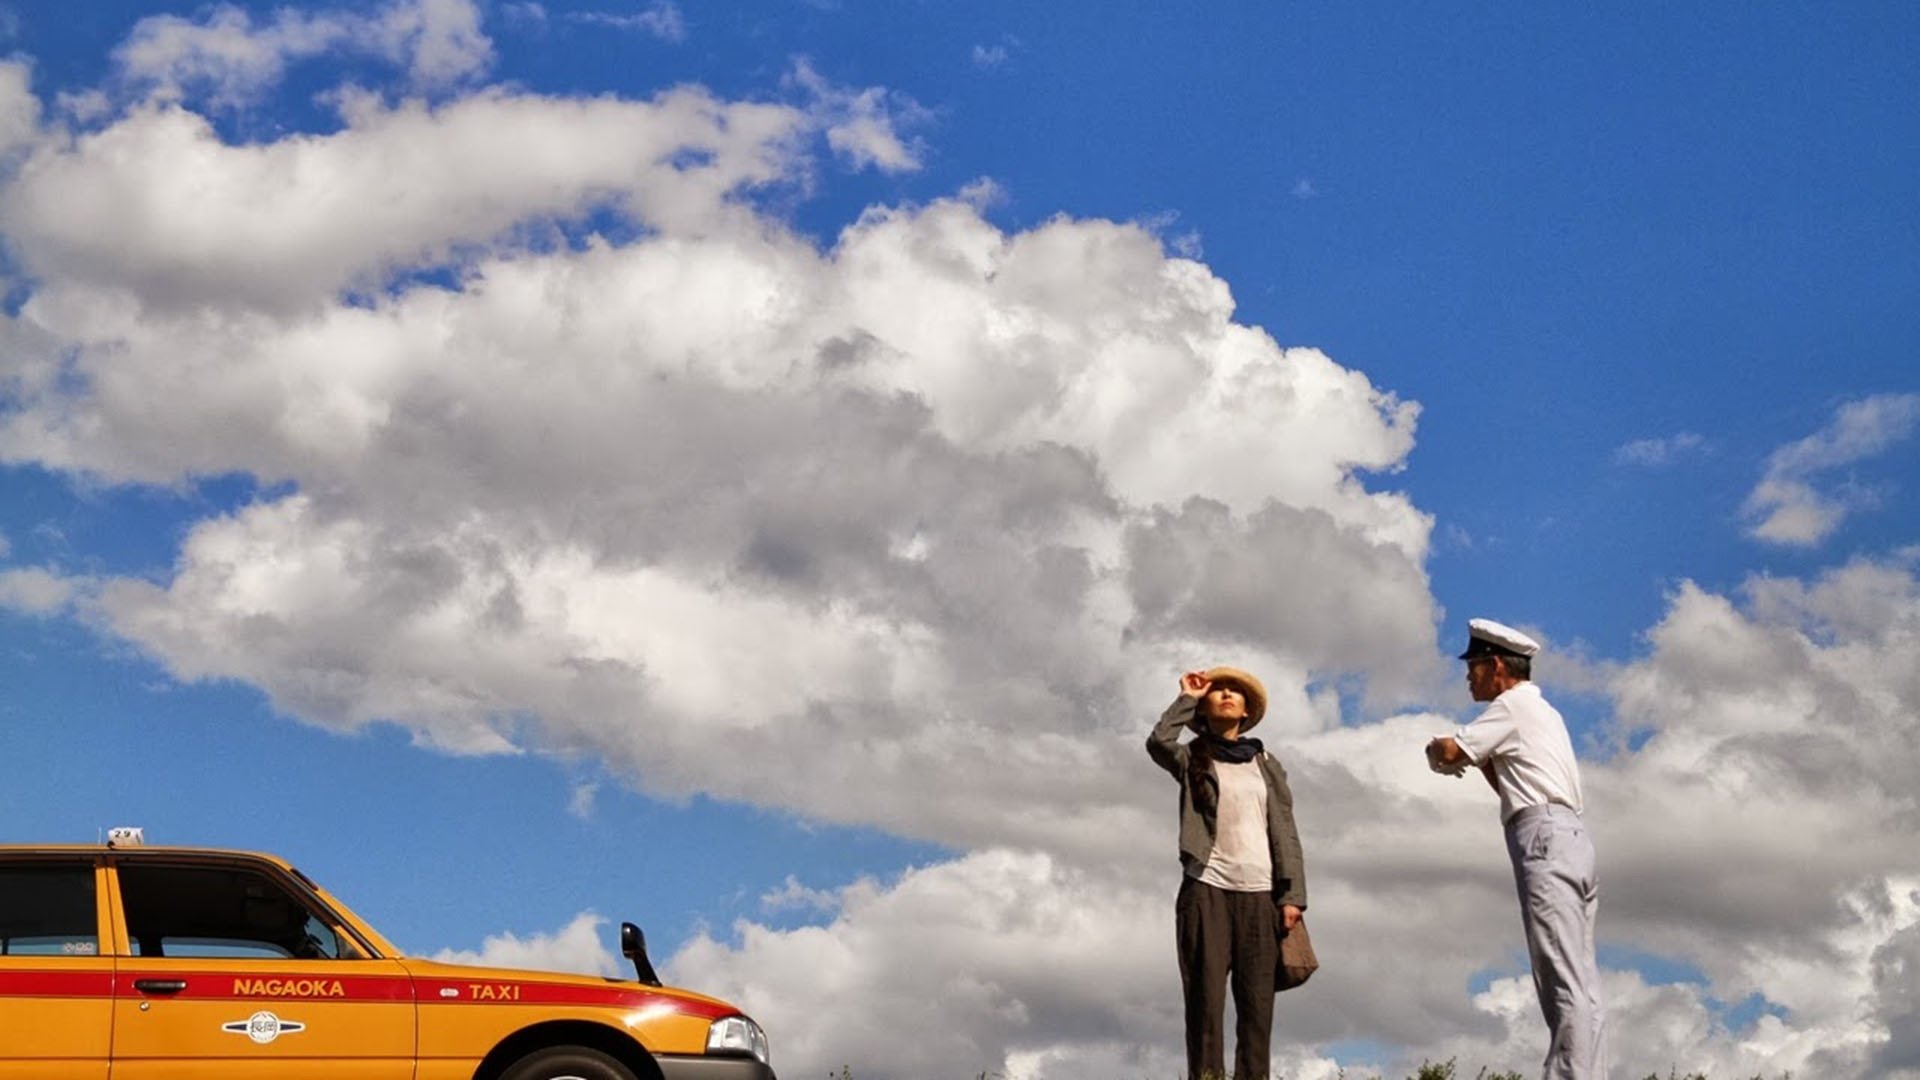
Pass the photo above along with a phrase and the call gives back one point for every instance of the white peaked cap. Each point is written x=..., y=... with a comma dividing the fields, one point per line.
x=1488, y=638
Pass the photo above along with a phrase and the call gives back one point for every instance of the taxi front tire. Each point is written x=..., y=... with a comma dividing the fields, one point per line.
x=567, y=1063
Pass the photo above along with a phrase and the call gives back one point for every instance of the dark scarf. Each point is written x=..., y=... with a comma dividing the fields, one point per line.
x=1238, y=751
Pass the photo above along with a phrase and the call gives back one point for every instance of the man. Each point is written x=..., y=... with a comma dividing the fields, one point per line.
x=1520, y=743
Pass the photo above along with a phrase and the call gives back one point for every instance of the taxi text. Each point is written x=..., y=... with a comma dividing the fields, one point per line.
x=309, y=988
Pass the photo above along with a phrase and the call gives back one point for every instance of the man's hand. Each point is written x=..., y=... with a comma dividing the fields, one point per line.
x=1289, y=916
x=1195, y=684
x=1445, y=756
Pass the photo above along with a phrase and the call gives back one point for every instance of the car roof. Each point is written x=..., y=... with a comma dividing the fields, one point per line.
x=142, y=851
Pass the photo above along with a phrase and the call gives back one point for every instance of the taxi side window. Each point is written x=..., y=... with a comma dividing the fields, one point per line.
x=224, y=912
x=47, y=909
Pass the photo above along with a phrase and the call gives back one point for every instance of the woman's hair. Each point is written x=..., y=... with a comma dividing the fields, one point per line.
x=1200, y=750
x=1199, y=770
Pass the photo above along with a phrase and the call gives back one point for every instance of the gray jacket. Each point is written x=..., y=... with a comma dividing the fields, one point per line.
x=1197, y=814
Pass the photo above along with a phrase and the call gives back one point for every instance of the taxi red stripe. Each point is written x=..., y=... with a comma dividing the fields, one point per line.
x=273, y=986
x=69, y=984
x=435, y=992
x=240, y=986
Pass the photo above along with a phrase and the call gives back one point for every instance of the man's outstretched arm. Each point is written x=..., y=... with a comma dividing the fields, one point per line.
x=1445, y=755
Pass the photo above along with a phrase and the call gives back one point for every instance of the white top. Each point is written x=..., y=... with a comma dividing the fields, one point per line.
x=1240, y=860
x=1532, y=755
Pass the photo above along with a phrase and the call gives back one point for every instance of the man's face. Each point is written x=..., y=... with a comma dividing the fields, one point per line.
x=1483, y=677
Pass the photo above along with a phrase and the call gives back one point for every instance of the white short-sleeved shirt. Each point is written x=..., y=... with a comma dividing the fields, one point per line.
x=1241, y=860
x=1532, y=755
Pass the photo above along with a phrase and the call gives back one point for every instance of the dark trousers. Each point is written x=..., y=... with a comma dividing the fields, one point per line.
x=1220, y=933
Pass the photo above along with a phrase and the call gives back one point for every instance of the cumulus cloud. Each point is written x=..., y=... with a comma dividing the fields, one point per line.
x=232, y=59
x=19, y=108
x=575, y=948
x=34, y=591
x=1021, y=956
x=793, y=895
x=1789, y=507
x=947, y=505
x=1780, y=728
x=1747, y=838
x=760, y=447
x=866, y=126
x=156, y=211
x=936, y=470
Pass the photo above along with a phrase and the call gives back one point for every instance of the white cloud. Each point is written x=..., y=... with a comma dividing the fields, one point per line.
x=33, y=590
x=233, y=60
x=1041, y=547
x=19, y=108
x=1658, y=452
x=660, y=19
x=83, y=108
x=864, y=126
x=1787, y=508
x=225, y=53
x=1757, y=836
x=575, y=948
x=156, y=211
x=999, y=947
x=524, y=14
x=943, y=507
x=581, y=804
x=792, y=895
x=995, y=55
x=441, y=39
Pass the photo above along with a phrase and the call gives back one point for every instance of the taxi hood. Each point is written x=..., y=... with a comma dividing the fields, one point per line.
x=436, y=980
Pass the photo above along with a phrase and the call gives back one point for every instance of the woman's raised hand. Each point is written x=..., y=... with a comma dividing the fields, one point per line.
x=1195, y=684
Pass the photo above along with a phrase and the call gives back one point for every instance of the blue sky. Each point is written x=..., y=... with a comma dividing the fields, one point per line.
x=829, y=423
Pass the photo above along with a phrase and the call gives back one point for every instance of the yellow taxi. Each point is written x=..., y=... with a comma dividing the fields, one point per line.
x=175, y=963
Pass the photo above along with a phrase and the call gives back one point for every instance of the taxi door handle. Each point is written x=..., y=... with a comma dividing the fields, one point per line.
x=159, y=986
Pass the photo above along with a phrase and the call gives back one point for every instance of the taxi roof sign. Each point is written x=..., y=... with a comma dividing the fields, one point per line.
x=126, y=836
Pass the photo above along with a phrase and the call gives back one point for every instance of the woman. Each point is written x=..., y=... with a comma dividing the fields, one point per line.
x=1245, y=879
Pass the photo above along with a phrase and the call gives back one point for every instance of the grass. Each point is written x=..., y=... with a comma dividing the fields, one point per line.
x=1428, y=1070
x=1446, y=1071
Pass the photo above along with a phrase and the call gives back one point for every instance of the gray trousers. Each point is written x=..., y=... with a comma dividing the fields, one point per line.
x=1553, y=869
x=1218, y=932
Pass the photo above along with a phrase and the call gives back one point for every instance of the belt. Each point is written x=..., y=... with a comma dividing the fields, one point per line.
x=1528, y=813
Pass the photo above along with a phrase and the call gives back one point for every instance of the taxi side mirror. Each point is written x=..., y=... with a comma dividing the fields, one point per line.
x=633, y=946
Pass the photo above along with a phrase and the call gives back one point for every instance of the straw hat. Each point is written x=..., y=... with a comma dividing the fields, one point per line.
x=1255, y=692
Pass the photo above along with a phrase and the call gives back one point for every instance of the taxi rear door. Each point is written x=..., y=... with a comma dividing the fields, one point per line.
x=56, y=982
x=234, y=971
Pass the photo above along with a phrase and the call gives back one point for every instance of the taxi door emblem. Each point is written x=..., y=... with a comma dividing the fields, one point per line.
x=263, y=1027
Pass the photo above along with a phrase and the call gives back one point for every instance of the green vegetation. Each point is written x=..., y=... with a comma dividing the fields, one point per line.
x=1446, y=1071
x=1428, y=1070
